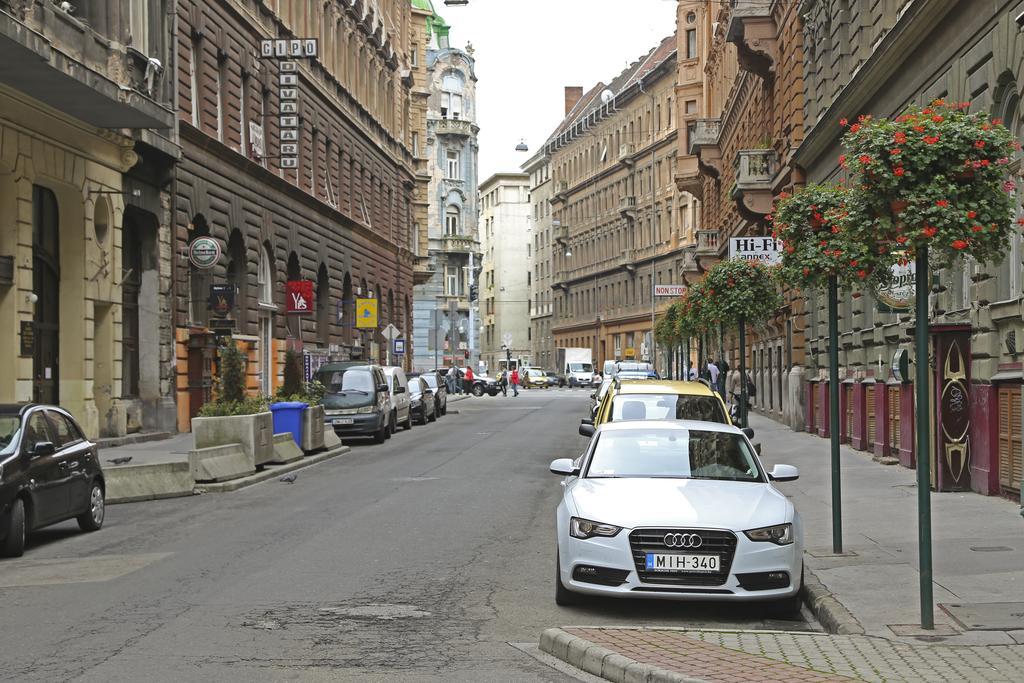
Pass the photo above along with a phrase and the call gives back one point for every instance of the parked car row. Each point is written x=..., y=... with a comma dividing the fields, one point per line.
x=670, y=500
x=370, y=400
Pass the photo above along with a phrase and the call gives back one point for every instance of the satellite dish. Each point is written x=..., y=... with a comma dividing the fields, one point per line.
x=607, y=96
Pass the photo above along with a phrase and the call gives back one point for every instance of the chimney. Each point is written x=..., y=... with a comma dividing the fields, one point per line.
x=573, y=93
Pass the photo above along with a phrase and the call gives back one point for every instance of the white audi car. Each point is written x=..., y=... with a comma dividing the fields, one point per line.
x=679, y=510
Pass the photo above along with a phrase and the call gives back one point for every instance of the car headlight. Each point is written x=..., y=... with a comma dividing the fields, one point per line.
x=584, y=528
x=416, y=402
x=780, y=534
x=366, y=409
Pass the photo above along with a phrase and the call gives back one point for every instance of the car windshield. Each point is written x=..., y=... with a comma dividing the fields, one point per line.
x=352, y=379
x=634, y=366
x=604, y=388
x=667, y=407
x=9, y=427
x=581, y=367
x=672, y=454
x=431, y=380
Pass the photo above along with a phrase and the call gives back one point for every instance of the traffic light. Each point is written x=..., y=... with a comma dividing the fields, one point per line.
x=474, y=291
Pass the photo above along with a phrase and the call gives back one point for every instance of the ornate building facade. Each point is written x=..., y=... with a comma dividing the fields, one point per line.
x=444, y=303
x=620, y=224
x=338, y=217
x=862, y=58
x=739, y=93
x=87, y=151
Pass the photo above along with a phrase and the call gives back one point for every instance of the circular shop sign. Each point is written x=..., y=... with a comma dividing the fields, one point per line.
x=204, y=252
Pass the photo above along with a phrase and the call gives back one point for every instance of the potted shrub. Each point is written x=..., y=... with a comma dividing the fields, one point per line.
x=233, y=417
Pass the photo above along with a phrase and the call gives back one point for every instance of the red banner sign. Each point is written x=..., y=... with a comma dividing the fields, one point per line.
x=299, y=296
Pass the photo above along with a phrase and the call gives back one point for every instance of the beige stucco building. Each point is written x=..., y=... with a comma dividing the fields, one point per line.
x=542, y=342
x=620, y=223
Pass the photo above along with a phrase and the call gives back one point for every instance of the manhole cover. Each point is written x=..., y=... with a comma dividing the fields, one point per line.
x=988, y=616
x=383, y=612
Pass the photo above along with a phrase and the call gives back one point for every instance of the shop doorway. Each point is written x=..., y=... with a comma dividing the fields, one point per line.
x=46, y=286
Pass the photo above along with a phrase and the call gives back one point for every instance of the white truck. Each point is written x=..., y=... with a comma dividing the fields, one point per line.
x=576, y=365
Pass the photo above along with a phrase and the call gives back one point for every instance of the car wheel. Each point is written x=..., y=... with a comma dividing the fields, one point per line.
x=392, y=424
x=478, y=390
x=14, y=543
x=433, y=416
x=408, y=422
x=383, y=433
x=444, y=407
x=92, y=519
x=563, y=596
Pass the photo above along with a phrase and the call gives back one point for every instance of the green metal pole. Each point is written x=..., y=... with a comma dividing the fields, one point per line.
x=743, y=372
x=833, y=411
x=686, y=366
x=922, y=423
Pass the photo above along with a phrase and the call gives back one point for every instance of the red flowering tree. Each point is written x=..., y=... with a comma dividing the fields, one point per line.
x=935, y=177
x=690, y=321
x=828, y=230
x=736, y=290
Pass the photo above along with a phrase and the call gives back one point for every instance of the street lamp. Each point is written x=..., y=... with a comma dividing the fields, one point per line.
x=521, y=147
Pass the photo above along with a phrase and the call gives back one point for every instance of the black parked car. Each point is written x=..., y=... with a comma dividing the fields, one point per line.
x=49, y=472
x=435, y=381
x=422, y=408
x=356, y=400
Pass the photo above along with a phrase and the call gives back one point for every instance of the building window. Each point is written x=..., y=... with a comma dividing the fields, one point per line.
x=453, y=165
x=414, y=55
x=138, y=19
x=451, y=221
x=415, y=144
x=242, y=123
x=451, y=281
x=222, y=84
x=691, y=43
x=193, y=74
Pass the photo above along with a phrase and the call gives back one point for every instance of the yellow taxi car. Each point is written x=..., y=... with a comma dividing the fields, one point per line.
x=534, y=378
x=657, y=400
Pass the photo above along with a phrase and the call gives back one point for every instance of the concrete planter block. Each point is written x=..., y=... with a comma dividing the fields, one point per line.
x=313, y=420
x=285, y=449
x=254, y=433
x=126, y=483
x=331, y=439
x=220, y=463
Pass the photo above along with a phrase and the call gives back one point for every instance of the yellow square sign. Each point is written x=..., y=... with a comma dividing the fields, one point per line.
x=366, y=314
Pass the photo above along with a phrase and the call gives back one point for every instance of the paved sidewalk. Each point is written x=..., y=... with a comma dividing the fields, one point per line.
x=624, y=654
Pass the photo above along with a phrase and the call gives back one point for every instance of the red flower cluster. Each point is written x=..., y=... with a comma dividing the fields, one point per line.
x=960, y=245
x=929, y=231
x=931, y=139
x=942, y=203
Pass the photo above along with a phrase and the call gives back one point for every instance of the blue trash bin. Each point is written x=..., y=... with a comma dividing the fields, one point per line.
x=288, y=418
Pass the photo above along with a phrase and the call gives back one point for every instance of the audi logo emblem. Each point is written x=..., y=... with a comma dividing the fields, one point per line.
x=683, y=540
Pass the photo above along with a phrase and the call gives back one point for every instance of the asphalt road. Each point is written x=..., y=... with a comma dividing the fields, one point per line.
x=420, y=559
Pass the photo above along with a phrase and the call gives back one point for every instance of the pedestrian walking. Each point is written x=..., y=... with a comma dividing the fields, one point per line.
x=712, y=372
x=469, y=380
x=515, y=382
x=503, y=382
x=456, y=379
x=693, y=374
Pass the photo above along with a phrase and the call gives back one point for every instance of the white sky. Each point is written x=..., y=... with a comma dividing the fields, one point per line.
x=527, y=51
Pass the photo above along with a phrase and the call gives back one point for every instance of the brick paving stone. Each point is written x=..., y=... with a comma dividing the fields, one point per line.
x=807, y=657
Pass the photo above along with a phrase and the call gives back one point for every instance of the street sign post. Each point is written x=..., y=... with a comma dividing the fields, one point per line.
x=398, y=347
x=669, y=290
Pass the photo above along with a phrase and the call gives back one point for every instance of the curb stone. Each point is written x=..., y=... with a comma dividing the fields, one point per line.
x=829, y=612
x=600, y=661
x=271, y=471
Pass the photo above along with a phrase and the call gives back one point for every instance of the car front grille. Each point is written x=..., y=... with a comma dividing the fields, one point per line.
x=715, y=542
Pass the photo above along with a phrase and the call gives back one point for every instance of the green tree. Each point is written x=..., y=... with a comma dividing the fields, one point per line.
x=232, y=373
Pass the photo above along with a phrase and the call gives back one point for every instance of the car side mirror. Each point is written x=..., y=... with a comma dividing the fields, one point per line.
x=784, y=473
x=593, y=394
x=587, y=422
x=564, y=467
x=399, y=390
x=43, y=448
x=748, y=432
x=382, y=388
x=587, y=430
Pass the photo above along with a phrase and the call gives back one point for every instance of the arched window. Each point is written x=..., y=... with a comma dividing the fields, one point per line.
x=265, y=278
x=451, y=221
x=1007, y=107
x=323, y=310
x=452, y=85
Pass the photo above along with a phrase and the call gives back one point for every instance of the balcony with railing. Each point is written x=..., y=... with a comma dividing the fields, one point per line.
x=450, y=126
x=755, y=173
x=627, y=206
x=80, y=65
x=626, y=153
x=627, y=261
x=459, y=244
x=704, y=145
x=707, y=241
x=752, y=29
